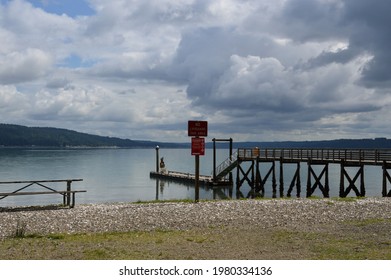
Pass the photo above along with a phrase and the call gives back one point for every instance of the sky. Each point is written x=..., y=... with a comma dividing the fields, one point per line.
x=256, y=70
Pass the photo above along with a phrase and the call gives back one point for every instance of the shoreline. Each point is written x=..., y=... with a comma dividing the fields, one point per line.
x=294, y=213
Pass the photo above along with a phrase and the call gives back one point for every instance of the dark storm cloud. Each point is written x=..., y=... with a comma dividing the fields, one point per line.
x=205, y=55
x=327, y=57
x=363, y=24
x=201, y=58
x=305, y=20
x=227, y=69
x=369, y=22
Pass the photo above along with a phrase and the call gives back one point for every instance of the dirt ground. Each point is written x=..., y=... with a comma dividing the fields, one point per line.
x=369, y=239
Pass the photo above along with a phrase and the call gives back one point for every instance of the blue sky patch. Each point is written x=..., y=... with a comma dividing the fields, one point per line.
x=75, y=61
x=72, y=8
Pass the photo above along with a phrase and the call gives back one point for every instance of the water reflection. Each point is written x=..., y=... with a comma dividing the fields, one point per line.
x=210, y=192
x=217, y=192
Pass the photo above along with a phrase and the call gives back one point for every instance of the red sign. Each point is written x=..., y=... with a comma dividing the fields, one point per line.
x=198, y=128
x=197, y=146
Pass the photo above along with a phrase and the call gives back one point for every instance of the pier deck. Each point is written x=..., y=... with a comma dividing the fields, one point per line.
x=348, y=156
x=186, y=177
x=348, y=159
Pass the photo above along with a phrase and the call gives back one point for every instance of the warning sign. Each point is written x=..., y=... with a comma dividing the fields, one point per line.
x=197, y=128
x=197, y=146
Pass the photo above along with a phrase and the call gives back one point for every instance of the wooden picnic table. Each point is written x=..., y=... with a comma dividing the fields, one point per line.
x=68, y=194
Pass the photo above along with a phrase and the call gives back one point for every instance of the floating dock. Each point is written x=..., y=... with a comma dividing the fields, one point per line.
x=188, y=178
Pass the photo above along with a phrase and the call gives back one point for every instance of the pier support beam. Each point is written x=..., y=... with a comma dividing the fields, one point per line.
x=240, y=171
x=386, y=179
x=281, y=177
x=324, y=187
x=295, y=180
x=261, y=182
x=360, y=192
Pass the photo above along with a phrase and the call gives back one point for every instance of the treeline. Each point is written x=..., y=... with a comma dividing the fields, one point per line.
x=22, y=136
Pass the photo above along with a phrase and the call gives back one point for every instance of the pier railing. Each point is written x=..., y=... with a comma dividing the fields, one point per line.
x=227, y=165
x=367, y=156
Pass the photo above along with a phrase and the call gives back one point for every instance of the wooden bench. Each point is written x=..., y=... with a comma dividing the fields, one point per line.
x=68, y=194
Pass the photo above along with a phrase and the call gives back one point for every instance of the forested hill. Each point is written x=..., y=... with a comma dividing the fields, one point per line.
x=23, y=136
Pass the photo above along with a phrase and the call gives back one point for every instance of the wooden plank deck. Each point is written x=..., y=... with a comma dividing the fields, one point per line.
x=347, y=156
x=186, y=177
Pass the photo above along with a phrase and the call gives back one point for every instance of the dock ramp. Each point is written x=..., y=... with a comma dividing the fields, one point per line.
x=226, y=166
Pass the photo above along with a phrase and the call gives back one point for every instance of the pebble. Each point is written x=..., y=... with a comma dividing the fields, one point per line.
x=122, y=217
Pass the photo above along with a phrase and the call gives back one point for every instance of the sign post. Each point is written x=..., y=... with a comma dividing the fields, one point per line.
x=197, y=129
x=197, y=179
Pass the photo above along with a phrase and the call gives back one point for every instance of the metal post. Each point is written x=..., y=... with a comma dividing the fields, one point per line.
x=157, y=159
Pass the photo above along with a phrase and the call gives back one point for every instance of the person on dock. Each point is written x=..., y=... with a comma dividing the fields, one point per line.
x=163, y=169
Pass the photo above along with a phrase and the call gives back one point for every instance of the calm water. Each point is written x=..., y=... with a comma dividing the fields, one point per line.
x=122, y=175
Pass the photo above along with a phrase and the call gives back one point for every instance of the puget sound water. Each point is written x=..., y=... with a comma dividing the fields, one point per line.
x=122, y=175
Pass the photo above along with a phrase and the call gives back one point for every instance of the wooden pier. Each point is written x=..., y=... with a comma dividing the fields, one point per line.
x=317, y=163
x=346, y=158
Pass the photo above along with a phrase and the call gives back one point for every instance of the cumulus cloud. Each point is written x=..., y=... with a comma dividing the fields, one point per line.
x=256, y=70
x=16, y=67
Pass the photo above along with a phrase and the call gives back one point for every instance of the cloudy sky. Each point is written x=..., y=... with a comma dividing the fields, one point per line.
x=262, y=70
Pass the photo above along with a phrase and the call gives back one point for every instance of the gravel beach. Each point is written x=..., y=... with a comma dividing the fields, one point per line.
x=123, y=217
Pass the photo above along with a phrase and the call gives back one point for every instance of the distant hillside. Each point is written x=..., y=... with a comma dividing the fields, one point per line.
x=22, y=136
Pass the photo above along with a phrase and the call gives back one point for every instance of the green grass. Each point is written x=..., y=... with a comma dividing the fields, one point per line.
x=314, y=197
x=164, y=201
x=348, y=199
x=349, y=248
x=364, y=239
x=129, y=245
